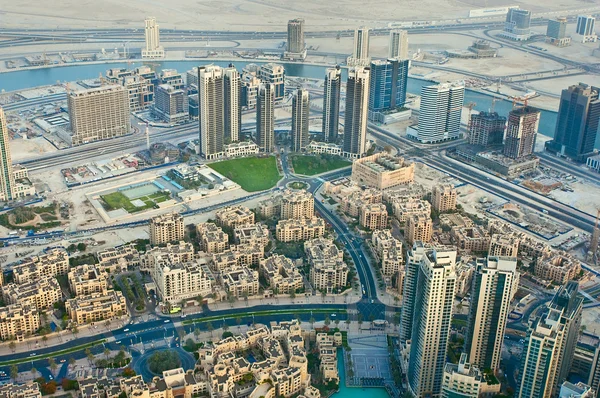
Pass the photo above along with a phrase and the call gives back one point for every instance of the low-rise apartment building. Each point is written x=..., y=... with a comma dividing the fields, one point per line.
x=352, y=203
x=118, y=259
x=471, y=239
x=387, y=251
x=181, y=281
x=558, y=267
x=234, y=216
x=282, y=274
x=328, y=270
x=212, y=238
x=419, y=227
x=166, y=228
x=237, y=256
x=96, y=307
x=443, y=197
x=293, y=230
x=41, y=294
x=406, y=207
x=54, y=262
x=373, y=216
x=18, y=321
x=241, y=282
x=504, y=245
x=252, y=234
x=297, y=204
x=382, y=171
x=87, y=279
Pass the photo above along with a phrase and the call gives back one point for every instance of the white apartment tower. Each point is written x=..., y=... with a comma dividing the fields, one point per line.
x=7, y=177
x=265, y=117
x=360, y=53
x=300, y=119
x=296, y=48
x=398, y=44
x=433, y=282
x=586, y=28
x=355, y=118
x=490, y=306
x=232, y=94
x=439, y=113
x=153, y=48
x=211, y=111
x=331, y=103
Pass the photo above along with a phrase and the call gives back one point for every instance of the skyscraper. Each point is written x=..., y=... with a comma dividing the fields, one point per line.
x=296, y=48
x=387, y=88
x=434, y=284
x=274, y=74
x=490, y=305
x=7, y=178
x=486, y=128
x=439, y=113
x=232, y=95
x=550, y=344
x=521, y=131
x=577, y=123
x=355, y=118
x=586, y=28
x=300, y=119
x=398, y=44
x=98, y=113
x=360, y=54
x=211, y=111
x=265, y=118
x=518, y=25
x=331, y=103
x=153, y=48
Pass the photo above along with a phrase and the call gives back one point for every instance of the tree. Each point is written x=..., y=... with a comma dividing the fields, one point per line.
x=81, y=247
x=210, y=328
x=12, y=345
x=106, y=353
x=128, y=372
x=347, y=323
x=163, y=360
x=197, y=333
x=45, y=339
x=52, y=364
x=72, y=361
x=311, y=321
x=323, y=295
x=181, y=335
x=238, y=320
x=337, y=323
x=292, y=294
x=200, y=299
x=190, y=345
x=327, y=321
x=14, y=372
x=89, y=355
x=225, y=327
x=245, y=295
x=360, y=321
x=33, y=371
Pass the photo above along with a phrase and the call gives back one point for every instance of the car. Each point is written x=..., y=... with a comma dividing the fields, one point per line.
x=50, y=377
x=126, y=330
x=63, y=360
x=118, y=342
x=167, y=320
x=333, y=315
x=32, y=354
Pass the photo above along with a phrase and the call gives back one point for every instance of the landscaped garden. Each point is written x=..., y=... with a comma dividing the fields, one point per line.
x=316, y=164
x=252, y=173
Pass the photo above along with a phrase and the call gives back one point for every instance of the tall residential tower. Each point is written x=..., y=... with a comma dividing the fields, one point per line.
x=521, y=132
x=265, y=118
x=355, y=118
x=360, y=54
x=211, y=111
x=296, y=48
x=387, y=88
x=331, y=103
x=398, y=44
x=300, y=119
x=153, y=48
x=7, y=178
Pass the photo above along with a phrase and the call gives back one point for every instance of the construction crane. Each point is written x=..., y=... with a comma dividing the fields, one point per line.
x=595, y=237
x=520, y=99
x=494, y=100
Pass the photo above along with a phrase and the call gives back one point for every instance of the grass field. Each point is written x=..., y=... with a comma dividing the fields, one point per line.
x=316, y=164
x=252, y=174
x=117, y=200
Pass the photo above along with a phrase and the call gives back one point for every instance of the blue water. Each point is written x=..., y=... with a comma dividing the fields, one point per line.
x=355, y=392
x=22, y=79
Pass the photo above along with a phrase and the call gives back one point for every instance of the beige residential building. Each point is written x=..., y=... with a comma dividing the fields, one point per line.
x=98, y=114
x=118, y=259
x=152, y=35
x=282, y=274
x=288, y=381
x=96, y=307
x=297, y=204
x=55, y=262
x=234, y=216
x=241, y=282
x=443, y=197
x=41, y=294
x=87, y=279
x=270, y=207
x=166, y=228
x=237, y=256
x=502, y=245
x=181, y=281
x=387, y=251
x=558, y=267
x=293, y=230
x=462, y=379
x=239, y=149
x=18, y=321
x=182, y=252
x=328, y=271
x=352, y=203
x=252, y=234
x=382, y=171
x=373, y=216
x=327, y=349
x=29, y=390
x=403, y=209
x=471, y=239
x=419, y=227
x=212, y=238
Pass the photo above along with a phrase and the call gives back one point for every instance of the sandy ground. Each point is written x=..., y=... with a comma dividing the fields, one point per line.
x=249, y=14
x=556, y=86
x=24, y=149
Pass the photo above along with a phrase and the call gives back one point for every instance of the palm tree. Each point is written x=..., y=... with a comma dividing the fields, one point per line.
x=107, y=324
x=337, y=323
x=197, y=333
x=311, y=321
x=33, y=372
x=200, y=300
x=292, y=295
x=14, y=372
x=347, y=323
x=323, y=295
x=89, y=355
x=58, y=329
x=327, y=321
x=106, y=353
x=52, y=364
x=360, y=321
x=72, y=361
x=225, y=327
x=12, y=345
x=45, y=340
x=181, y=335
x=245, y=295
x=210, y=328
x=238, y=320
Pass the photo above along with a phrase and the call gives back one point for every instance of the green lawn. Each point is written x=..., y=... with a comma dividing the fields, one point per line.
x=252, y=174
x=316, y=164
x=117, y=200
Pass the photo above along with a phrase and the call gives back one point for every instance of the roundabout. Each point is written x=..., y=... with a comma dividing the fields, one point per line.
x=142, y=363
x=297, y=185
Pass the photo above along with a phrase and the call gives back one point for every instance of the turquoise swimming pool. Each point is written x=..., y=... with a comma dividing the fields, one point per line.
x=354, y=392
